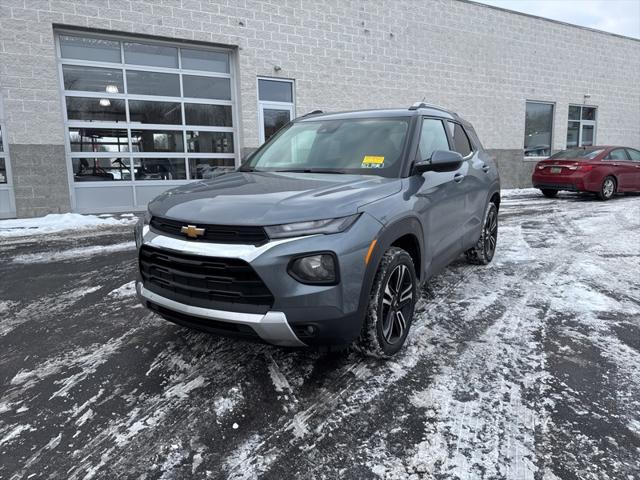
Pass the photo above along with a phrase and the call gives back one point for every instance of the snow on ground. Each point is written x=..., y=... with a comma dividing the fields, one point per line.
x=528, y=368
x=72, y=253
x=57, y=222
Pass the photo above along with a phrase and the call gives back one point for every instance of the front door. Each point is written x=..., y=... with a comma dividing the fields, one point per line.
x=440, y=199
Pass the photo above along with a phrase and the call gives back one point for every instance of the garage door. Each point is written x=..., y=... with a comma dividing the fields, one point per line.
x=143, y=116
x=7, y=203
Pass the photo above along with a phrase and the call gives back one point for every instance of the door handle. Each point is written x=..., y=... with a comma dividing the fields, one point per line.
x=486, y=168
x=458, y=177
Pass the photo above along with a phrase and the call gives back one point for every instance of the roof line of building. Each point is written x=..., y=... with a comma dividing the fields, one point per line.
x=530, y=15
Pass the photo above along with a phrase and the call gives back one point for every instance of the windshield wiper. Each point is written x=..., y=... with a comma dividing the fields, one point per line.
x=310, y=170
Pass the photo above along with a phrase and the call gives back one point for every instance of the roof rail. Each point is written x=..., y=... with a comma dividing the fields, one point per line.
x=418, y=105
x=313, y=112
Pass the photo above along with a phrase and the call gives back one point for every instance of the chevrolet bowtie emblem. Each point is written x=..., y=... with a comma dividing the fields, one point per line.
x=192, y=231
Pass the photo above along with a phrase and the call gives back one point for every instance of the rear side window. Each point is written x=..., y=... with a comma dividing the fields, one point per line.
x=618, y=154
x=461, y=143
x=432, y=138
x=633, y=154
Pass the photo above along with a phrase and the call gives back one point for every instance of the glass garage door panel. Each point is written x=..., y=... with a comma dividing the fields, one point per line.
x=143, y=116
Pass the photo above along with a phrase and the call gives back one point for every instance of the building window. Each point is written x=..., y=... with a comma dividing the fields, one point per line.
x=581, y=130
x=275, y=106
x=538, y=128
x=140, y=110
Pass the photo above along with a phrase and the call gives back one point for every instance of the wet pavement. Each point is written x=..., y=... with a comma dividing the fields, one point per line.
x=527, y=368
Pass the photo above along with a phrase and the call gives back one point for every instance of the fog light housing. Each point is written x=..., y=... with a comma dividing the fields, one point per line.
x=315, y=269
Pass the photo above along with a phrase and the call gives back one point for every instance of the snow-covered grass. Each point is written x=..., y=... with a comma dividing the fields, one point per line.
x=58, y=222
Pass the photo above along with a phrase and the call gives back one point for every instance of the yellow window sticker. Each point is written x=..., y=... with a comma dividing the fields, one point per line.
x=371, y=161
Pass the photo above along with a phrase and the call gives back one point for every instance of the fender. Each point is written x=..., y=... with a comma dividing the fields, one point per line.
x=389, y=234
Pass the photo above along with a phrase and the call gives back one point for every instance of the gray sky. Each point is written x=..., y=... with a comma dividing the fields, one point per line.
x=616, y=16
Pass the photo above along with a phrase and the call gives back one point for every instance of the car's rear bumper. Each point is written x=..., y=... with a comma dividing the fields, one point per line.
x=571, y=187
x=573, y=182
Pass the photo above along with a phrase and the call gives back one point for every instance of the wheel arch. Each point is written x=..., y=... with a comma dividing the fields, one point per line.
x=495, y=199
x=406, y=232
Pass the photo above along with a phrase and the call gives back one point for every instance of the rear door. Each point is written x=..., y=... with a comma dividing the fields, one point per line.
x=622, y=167
x=474, y=184
x=634, y=155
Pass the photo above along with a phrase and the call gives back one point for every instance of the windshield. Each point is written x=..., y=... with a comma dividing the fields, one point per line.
x=587, y=153
x=361, y=146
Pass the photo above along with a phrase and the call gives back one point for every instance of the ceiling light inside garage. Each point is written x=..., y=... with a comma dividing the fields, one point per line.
x=112, y=89
x=105, y=102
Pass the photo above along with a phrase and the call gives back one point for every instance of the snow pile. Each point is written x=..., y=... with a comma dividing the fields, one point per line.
x=73, y=253
x=56, y=222
x=125, y=291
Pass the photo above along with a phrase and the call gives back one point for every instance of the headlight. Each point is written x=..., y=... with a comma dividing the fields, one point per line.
x=330, y=225
x=139, y=228
x=318, y=268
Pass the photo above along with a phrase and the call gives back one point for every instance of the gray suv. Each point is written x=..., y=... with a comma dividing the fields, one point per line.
x=325, y=233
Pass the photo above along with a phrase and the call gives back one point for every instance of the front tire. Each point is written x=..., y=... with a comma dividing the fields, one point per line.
x=483, y=251
x=608, y=188
x=549, y=193
x=391, y=305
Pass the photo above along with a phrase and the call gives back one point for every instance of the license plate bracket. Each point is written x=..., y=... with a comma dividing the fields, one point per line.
x=556, y=169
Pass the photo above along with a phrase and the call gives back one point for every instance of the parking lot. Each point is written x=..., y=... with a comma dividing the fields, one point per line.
x=527, y=368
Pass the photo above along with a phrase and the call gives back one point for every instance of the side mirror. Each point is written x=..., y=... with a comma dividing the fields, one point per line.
x=440, y=161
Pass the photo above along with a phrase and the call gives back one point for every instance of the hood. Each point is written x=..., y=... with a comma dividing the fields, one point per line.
x=271, y=198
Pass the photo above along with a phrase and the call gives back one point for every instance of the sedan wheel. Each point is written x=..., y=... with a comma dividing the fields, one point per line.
x=608, y=188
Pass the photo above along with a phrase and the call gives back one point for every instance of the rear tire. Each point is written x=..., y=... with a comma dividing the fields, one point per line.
x=482, y=253
x=608, y=188
x=549, y=193
x=391, y=305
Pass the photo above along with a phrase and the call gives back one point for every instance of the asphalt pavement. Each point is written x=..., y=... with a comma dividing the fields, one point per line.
x=526, y=369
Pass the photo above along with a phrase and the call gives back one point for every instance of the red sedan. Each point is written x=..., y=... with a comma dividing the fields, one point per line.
x=604, y=170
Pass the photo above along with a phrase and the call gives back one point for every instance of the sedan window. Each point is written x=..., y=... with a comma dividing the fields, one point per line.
x=618, y=154
x=586, y=153
x=634, y=155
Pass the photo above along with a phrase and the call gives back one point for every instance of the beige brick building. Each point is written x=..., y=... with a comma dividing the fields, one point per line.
x=104, y=104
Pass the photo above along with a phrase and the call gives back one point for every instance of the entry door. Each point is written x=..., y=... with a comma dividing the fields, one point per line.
x=273, y=116
x=7, y=202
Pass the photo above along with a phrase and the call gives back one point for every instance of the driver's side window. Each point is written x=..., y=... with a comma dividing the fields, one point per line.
x=432, y=137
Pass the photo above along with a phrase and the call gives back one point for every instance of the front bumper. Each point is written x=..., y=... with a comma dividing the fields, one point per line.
x=300, y=314
x=271, y=327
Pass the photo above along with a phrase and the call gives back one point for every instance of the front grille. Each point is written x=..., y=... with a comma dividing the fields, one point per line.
x=238, y=234
x=209, y=282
